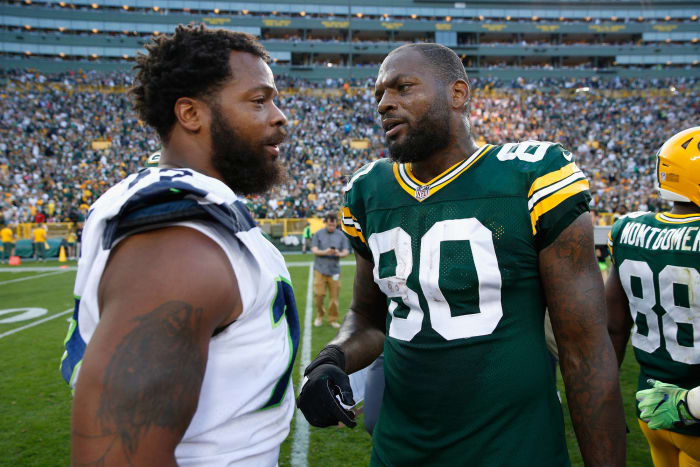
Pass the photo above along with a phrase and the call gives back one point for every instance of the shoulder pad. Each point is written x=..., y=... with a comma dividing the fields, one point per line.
x=532, y=151
x=361, y=173
x=157, y=205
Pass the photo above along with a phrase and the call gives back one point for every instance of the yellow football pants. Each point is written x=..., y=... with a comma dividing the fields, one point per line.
x=669, y=449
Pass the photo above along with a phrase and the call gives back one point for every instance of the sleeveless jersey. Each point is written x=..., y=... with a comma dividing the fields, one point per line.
x=657, y=257
x=468, y=376
x=246, y=401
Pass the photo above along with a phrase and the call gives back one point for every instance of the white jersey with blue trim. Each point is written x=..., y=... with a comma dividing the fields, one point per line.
x=246, y=401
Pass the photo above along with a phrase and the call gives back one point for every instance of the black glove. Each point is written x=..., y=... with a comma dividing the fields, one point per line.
x=324, y=382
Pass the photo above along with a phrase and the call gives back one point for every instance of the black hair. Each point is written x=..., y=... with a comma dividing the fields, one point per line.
x=192, y=62
x=447, y=65
x=330, y=216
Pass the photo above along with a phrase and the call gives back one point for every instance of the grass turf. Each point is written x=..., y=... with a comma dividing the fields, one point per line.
x=36, y=403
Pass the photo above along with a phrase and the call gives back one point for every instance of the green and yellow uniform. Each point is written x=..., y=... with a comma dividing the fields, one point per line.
x=657, y=257
x=468, y=376
x=6, y=237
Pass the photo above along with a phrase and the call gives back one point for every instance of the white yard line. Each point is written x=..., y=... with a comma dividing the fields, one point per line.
x=33, y=277
x=309, y=263
x=15, y=269
x=35, y=323
x=300, y=443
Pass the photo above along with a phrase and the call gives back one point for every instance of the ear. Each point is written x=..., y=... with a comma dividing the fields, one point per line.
x=460, y=94
x=190, y=113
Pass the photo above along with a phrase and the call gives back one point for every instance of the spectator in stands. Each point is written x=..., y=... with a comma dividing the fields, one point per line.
x=8, y=245
x=40, y=245
x=612, y=128
x=328, y=245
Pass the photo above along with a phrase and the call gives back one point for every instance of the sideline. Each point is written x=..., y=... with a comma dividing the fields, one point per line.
x=35, y=323
x=33, y=277
x=15, y=269
x=310, y=263
x=300, y=443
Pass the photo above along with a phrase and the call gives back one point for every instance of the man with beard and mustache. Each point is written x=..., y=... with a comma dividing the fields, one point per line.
x=185, y=328
x=459, y=250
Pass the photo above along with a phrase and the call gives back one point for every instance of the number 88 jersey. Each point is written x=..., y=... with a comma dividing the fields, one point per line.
x=657, y=257
x=468, y=377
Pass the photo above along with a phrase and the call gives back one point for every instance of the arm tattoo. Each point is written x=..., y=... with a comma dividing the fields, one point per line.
x=154, y=377
x=575, y=297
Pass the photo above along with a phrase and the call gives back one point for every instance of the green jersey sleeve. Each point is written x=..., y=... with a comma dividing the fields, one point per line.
x=559, y=191
x=614, y=236
x=353, y=213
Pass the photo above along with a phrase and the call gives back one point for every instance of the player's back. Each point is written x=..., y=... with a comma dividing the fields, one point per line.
x=658, y=261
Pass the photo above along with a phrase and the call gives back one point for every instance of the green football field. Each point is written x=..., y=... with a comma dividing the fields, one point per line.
x=35, y=402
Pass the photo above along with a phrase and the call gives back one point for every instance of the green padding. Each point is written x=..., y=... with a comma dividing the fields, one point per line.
x=25, y=248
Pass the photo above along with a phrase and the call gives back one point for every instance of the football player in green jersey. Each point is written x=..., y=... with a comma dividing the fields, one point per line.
x=654, y=292
x=459, y=250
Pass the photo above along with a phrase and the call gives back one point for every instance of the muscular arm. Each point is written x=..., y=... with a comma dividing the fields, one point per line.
x=362, y=334
x=574, y=289
x=162, y=295
x=619, y=318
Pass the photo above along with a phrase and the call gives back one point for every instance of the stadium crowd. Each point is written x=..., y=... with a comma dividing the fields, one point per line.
x=65, y=138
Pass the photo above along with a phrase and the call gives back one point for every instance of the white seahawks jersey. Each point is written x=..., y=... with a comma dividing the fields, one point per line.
x=246, y=402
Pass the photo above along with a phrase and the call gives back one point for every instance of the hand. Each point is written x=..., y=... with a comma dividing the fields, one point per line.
x=332, y=252
x=664, y=406
x=326, y=389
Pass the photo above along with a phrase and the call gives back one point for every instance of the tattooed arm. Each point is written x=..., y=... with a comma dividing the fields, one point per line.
x=575, y=297
x=162, y=295
x=619, y=318
x=362, y=335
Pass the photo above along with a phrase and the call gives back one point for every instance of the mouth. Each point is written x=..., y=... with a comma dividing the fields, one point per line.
x=394, y=129
x=392, y=126
x=273, y=150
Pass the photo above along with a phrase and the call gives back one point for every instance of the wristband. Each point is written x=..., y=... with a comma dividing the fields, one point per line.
x=331, y=354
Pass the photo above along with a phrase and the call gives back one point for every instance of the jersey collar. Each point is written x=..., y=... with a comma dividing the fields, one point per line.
x=669, y=218
x=422, y=191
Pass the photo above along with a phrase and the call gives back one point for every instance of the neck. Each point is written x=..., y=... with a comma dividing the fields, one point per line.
x=429, y=168
x=685, y=208
x=187, y=152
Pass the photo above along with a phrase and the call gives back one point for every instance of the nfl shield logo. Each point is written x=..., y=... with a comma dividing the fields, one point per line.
x=422, y=192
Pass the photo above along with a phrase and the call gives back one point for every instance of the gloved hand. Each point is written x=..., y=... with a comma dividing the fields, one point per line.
x=664, y=406
x=326, y=395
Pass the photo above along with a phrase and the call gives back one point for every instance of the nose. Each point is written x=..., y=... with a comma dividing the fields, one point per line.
x=278, y=117
x=386, y=103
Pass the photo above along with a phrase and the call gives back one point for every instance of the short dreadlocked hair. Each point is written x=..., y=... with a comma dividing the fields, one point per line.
x=192, y=62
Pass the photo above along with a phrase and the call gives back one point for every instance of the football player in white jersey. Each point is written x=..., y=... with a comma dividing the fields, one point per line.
x=185, y=328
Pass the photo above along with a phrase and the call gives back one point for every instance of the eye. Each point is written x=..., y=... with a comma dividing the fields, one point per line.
x=403, y=87
x=259, y=100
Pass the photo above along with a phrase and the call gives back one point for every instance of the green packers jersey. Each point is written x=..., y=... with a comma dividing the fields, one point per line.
x=468, y=376
x=657, y=257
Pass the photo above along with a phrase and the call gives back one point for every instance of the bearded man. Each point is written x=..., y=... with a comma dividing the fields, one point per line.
x=185, y=328
x=459, y=251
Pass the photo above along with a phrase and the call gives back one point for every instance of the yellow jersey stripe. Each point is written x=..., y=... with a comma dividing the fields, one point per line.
x=552, y=177
x=446, y=182
x=668, y=218
x=350, y=226
x=410, y=184
x=402, y=184
x=554, y=200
